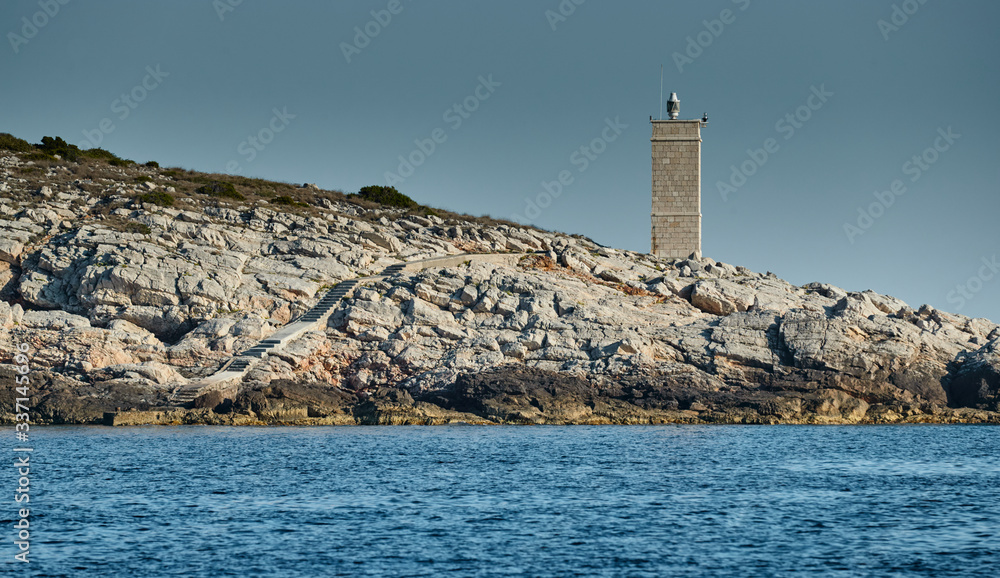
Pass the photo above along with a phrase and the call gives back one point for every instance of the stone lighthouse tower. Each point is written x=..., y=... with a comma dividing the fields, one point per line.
x=676, y=216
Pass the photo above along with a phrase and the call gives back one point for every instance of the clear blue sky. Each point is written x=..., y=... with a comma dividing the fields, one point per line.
x=556, y=81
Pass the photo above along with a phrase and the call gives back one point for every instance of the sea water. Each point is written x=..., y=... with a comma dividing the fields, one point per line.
x=500, y=501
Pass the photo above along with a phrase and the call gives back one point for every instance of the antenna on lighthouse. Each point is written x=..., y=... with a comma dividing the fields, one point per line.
x=661, y=92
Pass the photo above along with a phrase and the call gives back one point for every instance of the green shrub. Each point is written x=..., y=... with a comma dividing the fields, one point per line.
x=57, y=146
x=388, y=196
x=159, y=198
x=153, y=164
x=138, y=228
x=220, y=189
x=99, y=154
x=142, y=179
x=116, y=162
x=39, y=156
x=286, y=200
x=12, y=143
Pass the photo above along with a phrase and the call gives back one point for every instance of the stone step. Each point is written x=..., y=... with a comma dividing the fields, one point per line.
x=327, y=302
x=186, y=395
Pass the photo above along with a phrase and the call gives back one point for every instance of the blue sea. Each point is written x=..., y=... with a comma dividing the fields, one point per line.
x=502, y=501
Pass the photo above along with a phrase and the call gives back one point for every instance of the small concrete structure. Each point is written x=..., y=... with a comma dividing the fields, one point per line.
x=676, y=214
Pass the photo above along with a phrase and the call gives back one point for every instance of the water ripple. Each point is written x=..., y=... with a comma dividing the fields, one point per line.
x=496, y=501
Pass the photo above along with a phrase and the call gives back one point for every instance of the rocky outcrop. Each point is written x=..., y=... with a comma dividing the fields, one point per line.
x=122, y=302
x=976, y=382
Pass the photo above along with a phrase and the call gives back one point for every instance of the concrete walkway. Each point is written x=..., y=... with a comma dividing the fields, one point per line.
x=231, y=373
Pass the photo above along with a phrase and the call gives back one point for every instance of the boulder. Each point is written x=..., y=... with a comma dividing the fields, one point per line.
x=10, y=250
x=721, y=297
x=387, y=242
x=52, y=320
x=10, y=315
x=420, y=312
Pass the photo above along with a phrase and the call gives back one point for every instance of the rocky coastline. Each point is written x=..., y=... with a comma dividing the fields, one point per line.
x=129, y=281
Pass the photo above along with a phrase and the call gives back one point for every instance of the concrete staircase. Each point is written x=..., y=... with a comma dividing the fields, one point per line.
x=231, y=373
x=238, y=366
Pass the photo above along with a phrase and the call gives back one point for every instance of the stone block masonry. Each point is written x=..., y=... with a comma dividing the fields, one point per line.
x=676, y=214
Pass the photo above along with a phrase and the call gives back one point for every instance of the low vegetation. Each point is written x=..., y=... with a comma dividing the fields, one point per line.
x=288, y=201
x=220, y=189
x=138, y=228
x=158, y=198
x=12, y=143
x=386, y=196
x=91, y=170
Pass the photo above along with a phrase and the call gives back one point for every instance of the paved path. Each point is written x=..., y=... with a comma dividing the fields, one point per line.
x=232, y=372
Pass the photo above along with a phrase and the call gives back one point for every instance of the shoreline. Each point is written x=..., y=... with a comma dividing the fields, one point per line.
x=206, y=417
